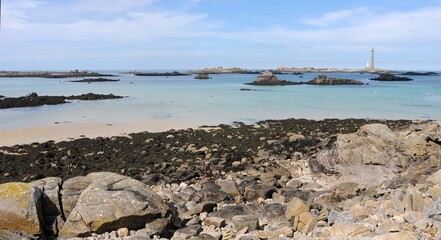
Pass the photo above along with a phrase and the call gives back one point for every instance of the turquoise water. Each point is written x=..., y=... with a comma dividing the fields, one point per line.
x=219, y=100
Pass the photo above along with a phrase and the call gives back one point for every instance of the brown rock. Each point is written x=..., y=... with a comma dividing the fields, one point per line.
x=294, y=208
x=21, y=208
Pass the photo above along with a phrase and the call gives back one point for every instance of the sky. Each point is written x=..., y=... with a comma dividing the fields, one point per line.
x=193, y=34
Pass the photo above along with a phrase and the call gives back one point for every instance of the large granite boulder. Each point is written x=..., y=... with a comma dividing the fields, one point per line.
x=20, y=208
x=111, y=202
x=325, y=80
x=51, y=203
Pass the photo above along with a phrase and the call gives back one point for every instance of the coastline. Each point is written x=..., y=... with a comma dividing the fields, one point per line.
x=71, y=131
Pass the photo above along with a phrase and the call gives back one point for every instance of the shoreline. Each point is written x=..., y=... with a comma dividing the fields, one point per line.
x=71, y=131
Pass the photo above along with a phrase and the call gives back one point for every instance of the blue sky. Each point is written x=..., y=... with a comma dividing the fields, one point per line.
x=192, y=34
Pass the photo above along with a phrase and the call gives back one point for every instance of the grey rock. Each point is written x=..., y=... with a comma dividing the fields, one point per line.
x=255, y=191
x=111, y=202
x=245, y=221
x=340, y=217
x=187, y=232
x=51, y=203
x=434, y=211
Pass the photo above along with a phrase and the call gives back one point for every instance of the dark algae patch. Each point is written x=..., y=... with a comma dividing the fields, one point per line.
x=34, y=100
x=175, y=155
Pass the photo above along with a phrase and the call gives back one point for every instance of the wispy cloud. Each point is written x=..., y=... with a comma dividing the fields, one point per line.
x=342, y=16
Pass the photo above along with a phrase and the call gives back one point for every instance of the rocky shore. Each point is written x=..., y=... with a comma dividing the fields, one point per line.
x=49, y=74
x=287, y=179
x=34, y=100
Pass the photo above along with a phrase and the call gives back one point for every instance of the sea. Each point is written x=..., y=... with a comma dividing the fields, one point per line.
x=220, y=100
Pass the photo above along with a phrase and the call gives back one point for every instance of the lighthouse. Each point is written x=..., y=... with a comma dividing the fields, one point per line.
x=372, y=59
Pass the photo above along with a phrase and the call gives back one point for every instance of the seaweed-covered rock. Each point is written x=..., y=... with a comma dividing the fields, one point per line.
x=390, y=77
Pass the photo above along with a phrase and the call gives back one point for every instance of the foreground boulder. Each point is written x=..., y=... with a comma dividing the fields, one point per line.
x=21, y=208
x=112, y=202
x=375, y=154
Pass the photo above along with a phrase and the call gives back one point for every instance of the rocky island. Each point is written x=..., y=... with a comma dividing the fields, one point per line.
x=34, y=100
x=47, y=74
x=156, y=74
x=202, y=76
x=93, y=80
x=420, y=74
x=287, y=179
x=269, y=79
x=221, y=70
x=390, y=77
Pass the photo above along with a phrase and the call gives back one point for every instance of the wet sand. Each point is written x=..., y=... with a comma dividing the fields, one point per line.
x=70, y=131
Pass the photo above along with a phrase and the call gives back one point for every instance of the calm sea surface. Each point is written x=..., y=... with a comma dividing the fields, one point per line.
x=219, y=100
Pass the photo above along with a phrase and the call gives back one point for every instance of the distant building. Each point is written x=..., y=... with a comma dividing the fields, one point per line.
x=371, y=65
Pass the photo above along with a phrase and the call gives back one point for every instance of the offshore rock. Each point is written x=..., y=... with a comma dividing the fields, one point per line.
x=202, y=76
x=112, y=202
x=268, y=79
x=325, y=80
x=20, y=208
x=390, y=77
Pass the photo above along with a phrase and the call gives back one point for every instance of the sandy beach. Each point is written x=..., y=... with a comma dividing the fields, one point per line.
x=69, y=131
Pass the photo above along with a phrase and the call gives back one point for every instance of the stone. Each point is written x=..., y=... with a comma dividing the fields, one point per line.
x=187, y=232
x=295, y=207
x=214, y=221
x=434, y=211
x=272, y=212
x=103, y=206
x=230, y=187
x=349, y=229
x=421, y=224
x=295, y=137
x=387, y=226
x=340, y=217
x=395, y=236
x=157, y=226
x=210, y=235
x=305, y=222
x=21, y=208
x=294, y=183
x=412, y=216
x=255, y=191
x=367, y=157
x=123, y=232
x=206, y=206
x=53, y=216
x=435, y=178
x=245, y=221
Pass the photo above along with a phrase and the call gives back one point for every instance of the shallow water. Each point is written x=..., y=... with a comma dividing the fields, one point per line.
x=219, y=100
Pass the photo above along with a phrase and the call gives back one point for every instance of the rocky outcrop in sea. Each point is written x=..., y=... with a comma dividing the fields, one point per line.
x=368, y=182
x=322, y=79
x=390, y=77
x=34, y=100
x=202, y=76
x=269, y=79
